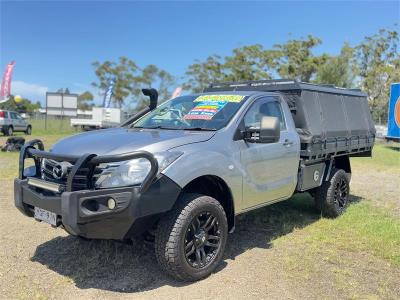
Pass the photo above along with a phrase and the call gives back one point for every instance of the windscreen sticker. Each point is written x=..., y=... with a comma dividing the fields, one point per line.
x=205, y=110
x=219, y=98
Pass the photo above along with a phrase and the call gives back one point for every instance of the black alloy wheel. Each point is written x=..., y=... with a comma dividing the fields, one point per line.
x=341, y=193
x=202, y=240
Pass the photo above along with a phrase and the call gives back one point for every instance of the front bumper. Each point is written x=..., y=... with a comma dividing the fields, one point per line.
x=134, y=213
x=81, y=209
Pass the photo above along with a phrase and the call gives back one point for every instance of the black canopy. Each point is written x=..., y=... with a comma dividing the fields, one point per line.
x=320, y=112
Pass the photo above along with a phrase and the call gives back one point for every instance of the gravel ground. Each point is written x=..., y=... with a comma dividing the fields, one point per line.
x=37, y=261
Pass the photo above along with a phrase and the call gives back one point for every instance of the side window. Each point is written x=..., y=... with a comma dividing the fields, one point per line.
x=13, y=115
x=268, y=107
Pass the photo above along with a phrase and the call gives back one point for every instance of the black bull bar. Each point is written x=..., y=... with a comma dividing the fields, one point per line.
x=35, y=149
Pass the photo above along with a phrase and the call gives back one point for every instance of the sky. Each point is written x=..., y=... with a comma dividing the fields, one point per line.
x=54, y=43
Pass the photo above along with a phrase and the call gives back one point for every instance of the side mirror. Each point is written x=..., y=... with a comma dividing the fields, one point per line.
x=268, y=132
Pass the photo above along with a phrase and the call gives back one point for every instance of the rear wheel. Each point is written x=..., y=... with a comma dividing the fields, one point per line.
x=9, y=131
x=28, y=130
x=333, y=196
x=190, y=240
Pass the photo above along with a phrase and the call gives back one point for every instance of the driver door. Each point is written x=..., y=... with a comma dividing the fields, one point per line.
x=269, y=169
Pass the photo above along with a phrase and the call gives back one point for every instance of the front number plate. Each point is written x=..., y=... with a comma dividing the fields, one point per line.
x=46, y=216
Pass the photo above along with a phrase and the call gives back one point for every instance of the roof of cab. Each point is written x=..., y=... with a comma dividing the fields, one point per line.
x=281, y=85
x=243, y=93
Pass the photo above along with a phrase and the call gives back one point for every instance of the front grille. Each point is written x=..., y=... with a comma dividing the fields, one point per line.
x=81, y=179
x=47, y=168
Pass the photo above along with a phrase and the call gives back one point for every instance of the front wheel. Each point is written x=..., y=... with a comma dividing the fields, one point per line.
x=190, y=240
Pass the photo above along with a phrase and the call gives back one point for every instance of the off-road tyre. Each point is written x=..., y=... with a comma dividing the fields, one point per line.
x=174, y=231
x=332, y=197
x=28, y=130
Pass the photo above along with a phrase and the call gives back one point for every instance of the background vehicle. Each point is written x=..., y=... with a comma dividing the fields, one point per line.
x=185, y=169
x=101, y=118
x=11, y=121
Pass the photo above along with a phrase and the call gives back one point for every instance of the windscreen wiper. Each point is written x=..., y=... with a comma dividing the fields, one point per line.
x=171, y=128
x=158, y=127
x=200, y=129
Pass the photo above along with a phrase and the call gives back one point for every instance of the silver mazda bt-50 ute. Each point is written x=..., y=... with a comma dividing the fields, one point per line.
x=184, y=170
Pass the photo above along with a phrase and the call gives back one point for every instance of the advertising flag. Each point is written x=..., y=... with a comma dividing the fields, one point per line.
x=109, y=93
x=5, y=90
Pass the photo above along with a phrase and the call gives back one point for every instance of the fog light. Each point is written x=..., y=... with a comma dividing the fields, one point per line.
x=111, y=203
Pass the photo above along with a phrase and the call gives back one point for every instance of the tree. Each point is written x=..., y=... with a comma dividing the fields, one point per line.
x=124, y=72
x=246, y=63
x=154, y=77
x=250, y=63
x=378, y=62
x=200, y=74
x=338, y=70
x=84, y=100
x=295, y=59
x=130, y=79
x=25, y=106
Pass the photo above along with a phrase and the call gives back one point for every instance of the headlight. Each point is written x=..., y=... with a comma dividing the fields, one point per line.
x=133, y=171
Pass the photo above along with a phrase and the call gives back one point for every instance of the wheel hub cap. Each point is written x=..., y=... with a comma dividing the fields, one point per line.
x=200, y=238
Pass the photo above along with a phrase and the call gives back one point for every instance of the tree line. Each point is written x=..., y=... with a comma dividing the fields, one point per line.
x=371, y=65
x=24, y=106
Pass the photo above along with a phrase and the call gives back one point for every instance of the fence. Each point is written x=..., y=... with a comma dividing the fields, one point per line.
x=53, y=124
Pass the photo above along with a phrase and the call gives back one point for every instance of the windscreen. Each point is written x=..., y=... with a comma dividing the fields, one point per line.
x=207, y=112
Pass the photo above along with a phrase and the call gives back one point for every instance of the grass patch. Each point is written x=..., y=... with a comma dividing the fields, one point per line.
x=384, y=157
x=9, y=160
x=363, y=228
x=55, y=126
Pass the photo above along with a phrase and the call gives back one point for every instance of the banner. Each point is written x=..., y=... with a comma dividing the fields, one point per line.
x=5, y=90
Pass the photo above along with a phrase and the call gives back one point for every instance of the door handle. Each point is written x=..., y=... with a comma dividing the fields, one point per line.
x=287, y=143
